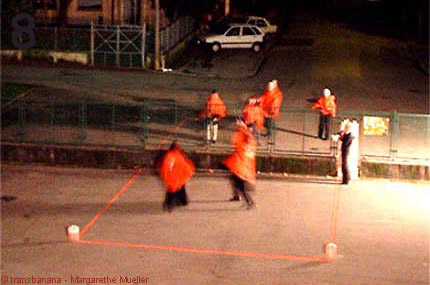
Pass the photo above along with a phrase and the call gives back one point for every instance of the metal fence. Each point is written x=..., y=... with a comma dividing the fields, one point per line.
x=171, y=35
x=155, y=123
x=122, y=45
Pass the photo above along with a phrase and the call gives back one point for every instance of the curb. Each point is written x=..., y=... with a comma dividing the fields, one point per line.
x=269, y=167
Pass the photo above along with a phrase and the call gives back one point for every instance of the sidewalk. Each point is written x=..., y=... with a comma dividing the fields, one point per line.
x=225, y=64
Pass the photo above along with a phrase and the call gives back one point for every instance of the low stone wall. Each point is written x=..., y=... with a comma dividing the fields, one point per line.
x=55, y=56
x=130, y=158
x=393, y=170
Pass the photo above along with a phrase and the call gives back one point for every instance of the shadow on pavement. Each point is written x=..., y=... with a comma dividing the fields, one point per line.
x=307, y=265
x=31, y=244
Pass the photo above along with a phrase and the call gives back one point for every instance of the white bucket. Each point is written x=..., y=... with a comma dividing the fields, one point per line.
x=73, y=233
x=330, y=251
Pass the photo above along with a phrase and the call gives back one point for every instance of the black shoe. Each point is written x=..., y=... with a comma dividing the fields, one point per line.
x=236, y=198
x=251, y=206
x=167, y=207
x=213, y=141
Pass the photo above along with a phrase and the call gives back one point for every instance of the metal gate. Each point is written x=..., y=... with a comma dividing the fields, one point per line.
x=120, y=46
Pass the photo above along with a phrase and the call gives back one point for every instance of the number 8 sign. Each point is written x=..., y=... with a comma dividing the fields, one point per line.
x=19, y=30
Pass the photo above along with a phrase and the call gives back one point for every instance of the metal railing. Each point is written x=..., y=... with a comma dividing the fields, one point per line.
x=123, y=45
x=155, y=123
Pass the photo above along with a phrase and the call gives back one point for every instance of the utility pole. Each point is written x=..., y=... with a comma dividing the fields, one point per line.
x=227, y=7
x=143, y=12
x=157, y=35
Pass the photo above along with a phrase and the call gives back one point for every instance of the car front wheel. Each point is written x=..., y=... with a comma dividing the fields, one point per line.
x=216, y=47
x=256, y=47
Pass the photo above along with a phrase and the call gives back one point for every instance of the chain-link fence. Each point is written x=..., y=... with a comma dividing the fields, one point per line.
x=155, y=123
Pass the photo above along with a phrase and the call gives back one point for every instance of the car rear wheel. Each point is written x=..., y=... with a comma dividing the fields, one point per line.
x=216, y=47
x=256, y=47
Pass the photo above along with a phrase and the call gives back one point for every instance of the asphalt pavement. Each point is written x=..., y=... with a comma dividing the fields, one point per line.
x=382, y=230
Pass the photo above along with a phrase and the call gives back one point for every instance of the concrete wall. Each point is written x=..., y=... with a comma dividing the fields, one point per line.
x=118, y=158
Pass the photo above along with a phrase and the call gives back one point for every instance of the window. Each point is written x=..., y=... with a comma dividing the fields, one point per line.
x=248, y=32
x=261, y=23
x=233, y=32
x=257, y=32
x=45, y=4
x=90, y=4
x=251, y=22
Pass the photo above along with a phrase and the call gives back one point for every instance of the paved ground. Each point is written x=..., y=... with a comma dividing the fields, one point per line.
x=382, y=235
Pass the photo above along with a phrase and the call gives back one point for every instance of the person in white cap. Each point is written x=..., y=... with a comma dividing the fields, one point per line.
x=271, y=102
x=327, y=106
x=213, y=112
x=346, y=138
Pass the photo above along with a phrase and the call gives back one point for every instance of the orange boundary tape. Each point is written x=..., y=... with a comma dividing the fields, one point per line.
x=181, y=123
x=335, y=213
x=207, y=251
x=202, y=250
x=113, y=199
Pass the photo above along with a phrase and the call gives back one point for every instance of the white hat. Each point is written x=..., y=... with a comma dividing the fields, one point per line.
x=326, y=92
x=272, y=85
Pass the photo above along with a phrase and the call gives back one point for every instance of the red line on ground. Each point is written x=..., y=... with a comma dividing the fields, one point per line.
x=181, y=123
x=207, y=251
x=334, y=215
x=107, y=206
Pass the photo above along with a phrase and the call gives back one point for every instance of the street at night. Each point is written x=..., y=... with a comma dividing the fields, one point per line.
x=215, y=142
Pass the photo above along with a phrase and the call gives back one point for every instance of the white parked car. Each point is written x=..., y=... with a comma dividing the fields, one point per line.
x=262, y=23
x=236, y=36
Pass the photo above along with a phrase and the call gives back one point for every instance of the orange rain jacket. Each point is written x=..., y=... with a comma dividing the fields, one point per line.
x=253, y=113
x=214, y=107
x=271, y=101
x=242, y=161
x=327, y=106
x=176, y=169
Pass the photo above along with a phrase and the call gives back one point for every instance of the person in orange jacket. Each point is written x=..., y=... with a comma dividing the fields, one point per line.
x=176, y=170
x=242, y=164
x=213, y=112
x=271, y=102
x=254, y=116
x=327, y=106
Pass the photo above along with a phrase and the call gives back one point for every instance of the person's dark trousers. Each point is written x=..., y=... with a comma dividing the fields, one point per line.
x=182, y=196
x=346, y=144
x=177, y=198
x=169, y=201
x=239, y=190
x=345, y=171
x=324, y=126
x=270, y=126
